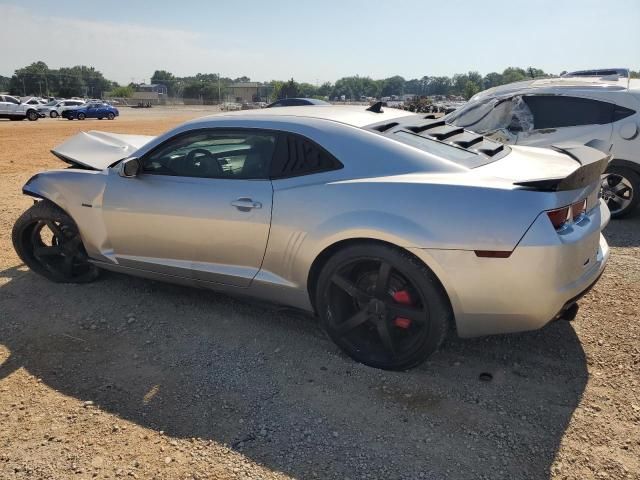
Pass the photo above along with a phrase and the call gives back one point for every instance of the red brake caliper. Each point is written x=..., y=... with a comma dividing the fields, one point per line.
x=402, y=297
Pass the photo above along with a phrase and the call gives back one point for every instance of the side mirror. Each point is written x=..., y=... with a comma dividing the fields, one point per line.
x=129, y=167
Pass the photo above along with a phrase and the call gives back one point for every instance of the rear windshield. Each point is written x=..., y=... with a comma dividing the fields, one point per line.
x=460, y=156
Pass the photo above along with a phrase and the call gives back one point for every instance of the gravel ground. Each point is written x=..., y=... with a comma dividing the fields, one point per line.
x=126, y=377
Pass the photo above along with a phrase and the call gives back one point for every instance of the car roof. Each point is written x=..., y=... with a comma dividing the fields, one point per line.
x=592, y=84
x=355, y=115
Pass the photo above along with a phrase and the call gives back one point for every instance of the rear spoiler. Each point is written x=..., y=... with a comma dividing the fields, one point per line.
x=592, y=162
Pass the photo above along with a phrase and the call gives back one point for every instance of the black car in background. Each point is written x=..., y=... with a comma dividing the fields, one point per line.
x=296, y=102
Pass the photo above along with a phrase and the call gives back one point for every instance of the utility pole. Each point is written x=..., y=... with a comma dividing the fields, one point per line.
x=46, y=83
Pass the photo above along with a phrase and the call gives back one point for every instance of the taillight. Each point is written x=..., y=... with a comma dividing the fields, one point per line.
x=560, y=217
x=578, y=209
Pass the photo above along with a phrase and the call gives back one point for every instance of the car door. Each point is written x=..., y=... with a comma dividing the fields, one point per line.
x=4, y=110
x=91, y=110
x=564, y=118
x=101, y=110
x=200, y=207
x=10, y=105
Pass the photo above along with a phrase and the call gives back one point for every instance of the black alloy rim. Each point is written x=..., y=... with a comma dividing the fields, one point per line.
x=57, y=247
x=377, y=312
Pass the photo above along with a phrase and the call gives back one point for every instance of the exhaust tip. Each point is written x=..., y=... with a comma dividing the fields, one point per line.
x=570, y=313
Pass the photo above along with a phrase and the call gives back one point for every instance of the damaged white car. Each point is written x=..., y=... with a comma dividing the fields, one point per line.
x=598, y=111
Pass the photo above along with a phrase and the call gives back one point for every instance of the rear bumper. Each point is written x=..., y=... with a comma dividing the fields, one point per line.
x=544, y=275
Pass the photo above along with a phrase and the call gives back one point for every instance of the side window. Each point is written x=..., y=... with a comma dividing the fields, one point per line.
x=296, y=155
x=214, y=154
x=554, y=111
x=13, y=100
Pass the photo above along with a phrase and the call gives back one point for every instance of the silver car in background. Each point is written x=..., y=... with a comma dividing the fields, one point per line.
x=393, y=229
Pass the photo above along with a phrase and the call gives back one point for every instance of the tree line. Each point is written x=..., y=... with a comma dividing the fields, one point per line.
x=209, y=86
x=39, y=80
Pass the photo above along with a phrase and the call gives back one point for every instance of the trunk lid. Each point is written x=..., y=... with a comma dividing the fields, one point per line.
x=559, y=168
x=99, y=150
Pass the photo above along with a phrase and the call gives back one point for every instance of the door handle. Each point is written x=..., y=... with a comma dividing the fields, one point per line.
x=245, y=204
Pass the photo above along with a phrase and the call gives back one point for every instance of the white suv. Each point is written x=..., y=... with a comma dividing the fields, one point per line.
x=68, y=105
x=599, y=111
x=13, y=109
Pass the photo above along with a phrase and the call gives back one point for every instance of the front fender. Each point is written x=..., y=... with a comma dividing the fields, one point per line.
x=79, y=193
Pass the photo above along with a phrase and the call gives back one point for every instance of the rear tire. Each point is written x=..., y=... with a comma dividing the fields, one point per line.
x=49, y=243
x=32, y=115
x=81, y=116
x=621, y=191
x=53, y=114
x=382, y=306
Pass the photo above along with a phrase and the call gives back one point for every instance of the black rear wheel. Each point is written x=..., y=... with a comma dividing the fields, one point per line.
x=48, y=242
x=382, y=307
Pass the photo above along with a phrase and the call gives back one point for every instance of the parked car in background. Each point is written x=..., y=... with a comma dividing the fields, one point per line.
x=13, y=109
x=36, y=102
x=69, y=105
x=230, y=106
x=97, y=110
x=599, y=111
x=393, y=229
x=50, y=109
x=296, y=102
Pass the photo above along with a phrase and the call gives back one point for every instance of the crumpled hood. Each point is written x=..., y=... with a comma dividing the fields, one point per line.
x=99, y=150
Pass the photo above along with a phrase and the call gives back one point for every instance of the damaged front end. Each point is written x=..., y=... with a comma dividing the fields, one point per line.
x=95, y=150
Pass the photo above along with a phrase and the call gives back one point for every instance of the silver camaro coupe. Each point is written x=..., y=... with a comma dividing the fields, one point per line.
x=396, y=230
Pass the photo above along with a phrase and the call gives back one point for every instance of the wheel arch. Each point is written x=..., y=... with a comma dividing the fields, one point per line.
x=620, y=162
x=322, y=258
x=38, y=187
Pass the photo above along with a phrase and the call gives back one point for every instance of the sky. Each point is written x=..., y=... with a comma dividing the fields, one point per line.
x=318, y=41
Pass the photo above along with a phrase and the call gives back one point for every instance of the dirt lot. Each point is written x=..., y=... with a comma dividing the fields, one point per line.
x=132, y=378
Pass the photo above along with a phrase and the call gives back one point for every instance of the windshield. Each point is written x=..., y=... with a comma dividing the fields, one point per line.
x=474, y=115
x=51, y=103
x=497, y=118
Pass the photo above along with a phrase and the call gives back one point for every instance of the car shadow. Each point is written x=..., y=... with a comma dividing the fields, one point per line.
x=269, y=384
x=624, y=232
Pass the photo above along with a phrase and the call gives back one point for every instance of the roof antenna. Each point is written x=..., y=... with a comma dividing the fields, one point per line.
x=376, y=108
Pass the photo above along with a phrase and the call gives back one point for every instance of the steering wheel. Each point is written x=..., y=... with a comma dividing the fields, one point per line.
x=203, y=168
